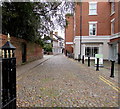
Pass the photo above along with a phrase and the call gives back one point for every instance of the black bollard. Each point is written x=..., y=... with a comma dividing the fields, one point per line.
x=97, y=67
x=83, y=59
x=88, y=61
x=79, y=58
x=112, y=69
x=66, y=53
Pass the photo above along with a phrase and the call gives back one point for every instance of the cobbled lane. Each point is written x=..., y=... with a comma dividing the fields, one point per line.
x=63, y=82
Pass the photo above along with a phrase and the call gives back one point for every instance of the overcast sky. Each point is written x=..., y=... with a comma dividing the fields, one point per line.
x=61, y=33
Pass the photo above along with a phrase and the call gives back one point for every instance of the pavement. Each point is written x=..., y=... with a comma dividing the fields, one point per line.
x=106, y=69
x=58, y=81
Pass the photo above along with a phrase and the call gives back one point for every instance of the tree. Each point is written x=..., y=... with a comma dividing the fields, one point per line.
x=31, y=20
x=19, y=20
x=48, y=47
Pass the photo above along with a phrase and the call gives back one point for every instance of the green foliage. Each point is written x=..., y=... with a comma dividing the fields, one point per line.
x=40, y=42
x=67, y=23
x=19, y=20
x=48, y=47
x=69, y=14
x=32, y=20
x=46, y=38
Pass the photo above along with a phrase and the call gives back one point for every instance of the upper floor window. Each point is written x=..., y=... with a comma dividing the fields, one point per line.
x=92, y=28
x=112, y=7
x=92, y=8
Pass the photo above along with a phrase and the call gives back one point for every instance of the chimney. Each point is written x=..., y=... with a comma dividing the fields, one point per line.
x=51, y=34
x=56, y=33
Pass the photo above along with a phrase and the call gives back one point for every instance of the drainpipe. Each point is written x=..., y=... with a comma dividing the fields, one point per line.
x=79, y=57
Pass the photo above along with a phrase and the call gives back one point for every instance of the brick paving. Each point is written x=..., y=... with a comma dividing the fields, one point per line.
x=63, y=82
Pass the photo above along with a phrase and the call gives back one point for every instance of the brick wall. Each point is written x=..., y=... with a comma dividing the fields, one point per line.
x=33, y=51
x=103, y=18
x=77, y=19
x=69, y=33
x=116, y=15
x=69, y=48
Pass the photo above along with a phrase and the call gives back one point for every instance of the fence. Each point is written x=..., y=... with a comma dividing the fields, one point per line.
x=8, y=76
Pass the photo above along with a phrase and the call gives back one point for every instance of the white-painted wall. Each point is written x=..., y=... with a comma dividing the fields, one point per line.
x=57, y=49
x=87, y=40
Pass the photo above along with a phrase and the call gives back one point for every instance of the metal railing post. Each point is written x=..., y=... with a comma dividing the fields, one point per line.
x=8, y=75
x=112, y=69
x=88, y=61
x=97, y=67
x=83, y=59
x=79, y=58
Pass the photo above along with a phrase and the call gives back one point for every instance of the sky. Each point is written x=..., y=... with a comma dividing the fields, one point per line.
x=61, y=33
x=59, y=30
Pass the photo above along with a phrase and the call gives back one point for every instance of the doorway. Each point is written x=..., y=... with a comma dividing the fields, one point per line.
x=23, y=52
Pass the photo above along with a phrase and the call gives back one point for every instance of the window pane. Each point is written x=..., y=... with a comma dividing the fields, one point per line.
x=96, y=50
x=91, y=26
x=112, y=7
x=92, y=29
x=91, y=32
x=91, y=51
x=92, y=11
x=87, y=51
x=93, y=6
x=94, y=25
x=112, y=27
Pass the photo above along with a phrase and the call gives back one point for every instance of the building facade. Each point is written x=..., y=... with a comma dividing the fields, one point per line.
x=93, y=29
x=57, y=44
x=69, y=34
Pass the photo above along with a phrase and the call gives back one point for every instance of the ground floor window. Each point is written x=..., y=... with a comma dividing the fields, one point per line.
x=91, y=51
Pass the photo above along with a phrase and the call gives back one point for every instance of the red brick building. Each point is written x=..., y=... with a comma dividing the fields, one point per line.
x=69, y=34
x=93, y=29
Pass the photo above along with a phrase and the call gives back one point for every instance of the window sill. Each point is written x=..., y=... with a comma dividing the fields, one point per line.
x=93, y=14
x=92, y=35
x=112, y=13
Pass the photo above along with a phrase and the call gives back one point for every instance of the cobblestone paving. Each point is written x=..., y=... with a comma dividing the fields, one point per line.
x=62, y=82
x=106, y=70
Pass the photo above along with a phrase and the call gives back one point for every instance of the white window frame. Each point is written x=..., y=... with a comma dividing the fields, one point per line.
x=112, y=8
x=93, y=9
x=93, y=22
x=113, y=26
x=92, y=50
